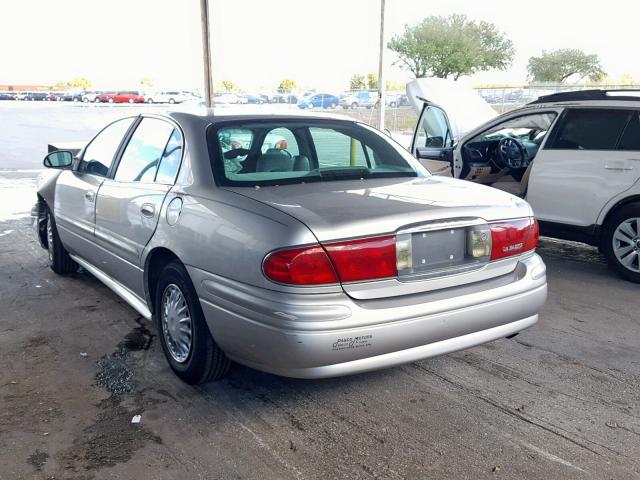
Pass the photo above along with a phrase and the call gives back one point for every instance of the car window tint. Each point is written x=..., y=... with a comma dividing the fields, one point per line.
x=143, y=153
x=281, y=139
x=335, y=149
x=590, y=129
x=170, y=161
x=630, y=139
x=98, y=156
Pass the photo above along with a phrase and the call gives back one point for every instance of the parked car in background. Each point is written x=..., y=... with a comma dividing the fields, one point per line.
x=349, y=257
x=167, y=97
x=226, y=98
x=575, y=156
x=37, y=96
x=7, y=96
x=319, y=100
x=128, y=96
x=359, y=99
x=288, y=98
x=21, y=95
x=91, y=96
x=70, y=96
x=105, y=97
x=256, y=99
x=397, y=100
x=53, y=97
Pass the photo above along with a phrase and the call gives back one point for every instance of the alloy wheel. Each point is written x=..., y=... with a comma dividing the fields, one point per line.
x=626, y=244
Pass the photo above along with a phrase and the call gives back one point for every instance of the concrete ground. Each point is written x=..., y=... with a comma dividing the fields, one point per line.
x=561, y=400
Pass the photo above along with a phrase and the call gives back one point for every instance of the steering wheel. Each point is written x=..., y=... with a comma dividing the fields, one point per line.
x=512, y=153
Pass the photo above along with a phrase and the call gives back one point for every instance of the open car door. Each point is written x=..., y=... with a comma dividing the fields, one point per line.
x=447, y=110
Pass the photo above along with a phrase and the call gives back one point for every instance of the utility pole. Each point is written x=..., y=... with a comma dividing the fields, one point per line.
x=206, y=52
x=381, y=89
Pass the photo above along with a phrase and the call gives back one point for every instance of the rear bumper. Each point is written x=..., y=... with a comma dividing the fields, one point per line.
x=327, y=335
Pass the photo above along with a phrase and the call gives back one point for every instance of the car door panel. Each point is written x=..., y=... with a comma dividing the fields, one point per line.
x=126, y=217
x=74, y=211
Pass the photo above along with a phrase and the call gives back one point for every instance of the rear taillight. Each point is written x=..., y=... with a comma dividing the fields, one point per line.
x=364, y=259
x=350, y=261
x=513, y=237
x=300, y=266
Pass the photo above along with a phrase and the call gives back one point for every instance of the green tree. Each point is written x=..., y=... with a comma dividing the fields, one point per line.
x=559, y=65
x=287, y=86
x=452, y=46
x=147, y=82
x=357, y=82
x=228, y=85
x=392, y=86
x=372, y=81
x=80, y=82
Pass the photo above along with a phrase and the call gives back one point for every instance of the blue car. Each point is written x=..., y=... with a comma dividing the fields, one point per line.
x=319, y=100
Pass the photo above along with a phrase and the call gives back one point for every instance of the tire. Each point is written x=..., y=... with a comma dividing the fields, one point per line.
x=59, y=259
x=111, y=100
x=203, y=361
x=334, y=105
x=149, y=100
x=130, y=100
x=621, y=241
x=172, y=101
x=96, y=100
x=354, y=105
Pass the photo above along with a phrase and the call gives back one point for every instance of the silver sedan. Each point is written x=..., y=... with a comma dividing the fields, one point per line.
x=305, y=246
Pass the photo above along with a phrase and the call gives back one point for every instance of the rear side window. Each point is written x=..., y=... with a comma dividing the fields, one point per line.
x=630, y=139
x=144, y=151
x=170, y=161
x=590, y=129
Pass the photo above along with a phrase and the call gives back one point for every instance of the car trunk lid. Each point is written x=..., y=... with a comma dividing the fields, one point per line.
x=433, y=214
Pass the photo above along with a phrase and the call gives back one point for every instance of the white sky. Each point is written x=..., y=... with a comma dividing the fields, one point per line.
x=256, y=43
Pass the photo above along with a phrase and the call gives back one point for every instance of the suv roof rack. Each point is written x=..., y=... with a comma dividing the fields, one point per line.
x=588, y=95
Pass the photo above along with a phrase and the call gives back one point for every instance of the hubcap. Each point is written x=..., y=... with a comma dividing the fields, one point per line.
x=626, y=244
x=176, y=323
x=50, y=239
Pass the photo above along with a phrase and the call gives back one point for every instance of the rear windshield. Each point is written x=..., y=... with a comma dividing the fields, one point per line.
x=256, y=154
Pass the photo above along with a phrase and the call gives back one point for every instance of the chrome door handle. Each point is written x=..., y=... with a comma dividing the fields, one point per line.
x=89, y=195
x=147, y=210
x=613, y=167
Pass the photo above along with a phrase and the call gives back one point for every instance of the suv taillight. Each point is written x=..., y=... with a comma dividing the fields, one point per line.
x=513, y=237
x=350, y=261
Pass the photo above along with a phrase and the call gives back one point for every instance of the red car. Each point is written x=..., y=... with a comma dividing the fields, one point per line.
x=121, y=97
x=106, y=97
x=130, y=97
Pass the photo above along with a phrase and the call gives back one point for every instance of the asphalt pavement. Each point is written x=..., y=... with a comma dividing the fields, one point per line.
x=559, y=401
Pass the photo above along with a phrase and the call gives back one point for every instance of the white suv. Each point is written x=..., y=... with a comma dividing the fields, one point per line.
x=574, y=156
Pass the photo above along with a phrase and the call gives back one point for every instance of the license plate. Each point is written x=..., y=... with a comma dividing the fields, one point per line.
x=438, y=249
x=438, y=252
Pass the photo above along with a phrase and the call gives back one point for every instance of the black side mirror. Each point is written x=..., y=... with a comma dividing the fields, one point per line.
x=59, y=159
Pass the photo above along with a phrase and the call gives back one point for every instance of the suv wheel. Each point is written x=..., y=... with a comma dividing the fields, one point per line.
x=621, y=241
x=59, y=259
x=186, y=341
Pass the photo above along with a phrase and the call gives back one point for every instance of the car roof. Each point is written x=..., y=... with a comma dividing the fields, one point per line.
x=214, y=115
x=594, y=95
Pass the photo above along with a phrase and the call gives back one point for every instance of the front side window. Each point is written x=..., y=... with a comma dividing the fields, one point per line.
x=434, y=129
x=144, y=151
x=99, y=154
x=590, y=129
x=293, y=152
